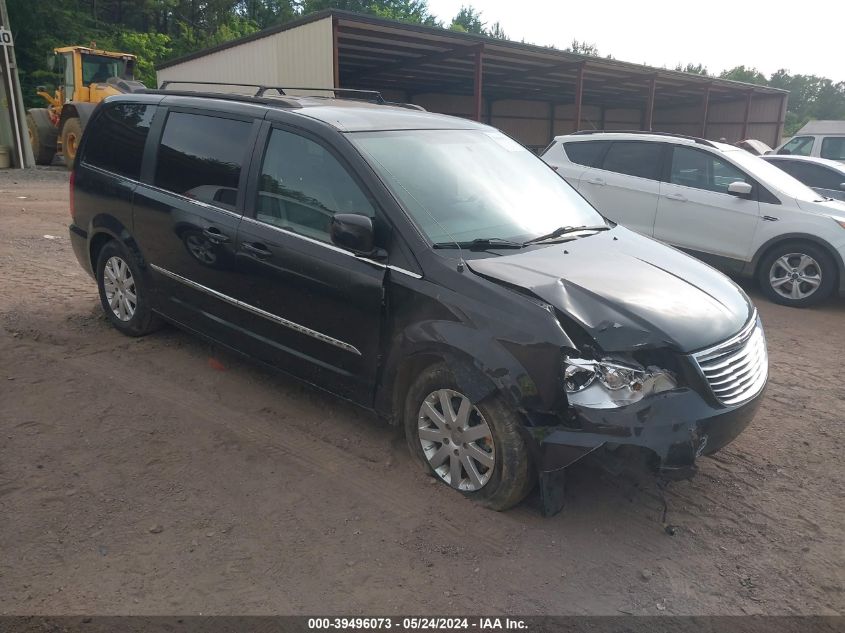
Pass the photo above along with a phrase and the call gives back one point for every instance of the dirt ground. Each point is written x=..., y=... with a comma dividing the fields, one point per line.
x=159, y=475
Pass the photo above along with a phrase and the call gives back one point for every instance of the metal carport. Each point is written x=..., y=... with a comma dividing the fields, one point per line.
x=531, y=92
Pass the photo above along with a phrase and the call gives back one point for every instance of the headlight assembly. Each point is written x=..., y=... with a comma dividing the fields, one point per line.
x=604, y=384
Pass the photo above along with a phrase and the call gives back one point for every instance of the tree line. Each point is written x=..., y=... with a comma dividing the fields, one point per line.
x=157, y=30
x=810, y=96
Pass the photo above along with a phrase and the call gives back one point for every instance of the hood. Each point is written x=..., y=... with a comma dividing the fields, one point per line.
x=833, y=208
x=628, y=291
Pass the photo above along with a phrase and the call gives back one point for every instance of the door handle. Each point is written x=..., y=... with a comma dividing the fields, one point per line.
x=257, y=249
x=596, y=181
x=676, y=196
x=214, y=235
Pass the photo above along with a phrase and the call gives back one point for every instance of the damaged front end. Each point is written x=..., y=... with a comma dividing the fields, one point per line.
x=657, y=407
x=667, y=357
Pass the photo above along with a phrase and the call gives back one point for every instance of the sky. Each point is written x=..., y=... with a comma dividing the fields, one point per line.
x=806, y=37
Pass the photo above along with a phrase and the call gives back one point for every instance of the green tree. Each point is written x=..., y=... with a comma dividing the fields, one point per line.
x=264, y=13
x=810, y=97
x=413, y=11
x=748, y=75
x=468, y=20
x=695, y=69
x=583, y=48
x=497, y=32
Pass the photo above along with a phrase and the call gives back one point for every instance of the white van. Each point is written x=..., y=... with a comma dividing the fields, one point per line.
x=824, y=139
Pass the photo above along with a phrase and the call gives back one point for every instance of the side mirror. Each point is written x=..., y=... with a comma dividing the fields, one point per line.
x=353, y=231
x=739, y=188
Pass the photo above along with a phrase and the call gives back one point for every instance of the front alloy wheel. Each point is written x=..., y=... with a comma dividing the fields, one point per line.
x=476, y=448
x=456, y=440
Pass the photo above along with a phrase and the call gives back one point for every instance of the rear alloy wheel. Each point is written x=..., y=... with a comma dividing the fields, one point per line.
x=123, y=291
x=475, y=448
x=119, y=285
x=797, y=274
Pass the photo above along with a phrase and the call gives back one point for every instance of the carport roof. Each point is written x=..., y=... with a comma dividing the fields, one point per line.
x=381, y=54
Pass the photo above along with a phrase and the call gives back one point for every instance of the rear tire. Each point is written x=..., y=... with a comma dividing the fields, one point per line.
x=485, y=440
x=797, y=274
x=42, y=139
x=71, y=135
x=124, y=291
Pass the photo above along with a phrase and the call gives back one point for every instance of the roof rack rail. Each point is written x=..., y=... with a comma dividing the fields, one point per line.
x=226, y=96
x=366, y=95
x=700, y=141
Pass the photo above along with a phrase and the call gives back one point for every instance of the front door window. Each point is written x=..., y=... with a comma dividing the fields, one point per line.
x=302, y=186
x=702, y=170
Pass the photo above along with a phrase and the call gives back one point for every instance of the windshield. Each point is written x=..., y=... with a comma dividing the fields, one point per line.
x=772, y=176
x=464, y=185
x=98, y=68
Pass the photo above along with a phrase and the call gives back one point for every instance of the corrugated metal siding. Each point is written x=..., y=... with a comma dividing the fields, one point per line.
x=299, y=57
x=622, y=119
x=456, y=105
x=304, y=56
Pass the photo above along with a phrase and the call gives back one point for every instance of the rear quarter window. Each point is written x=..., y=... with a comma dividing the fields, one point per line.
x=115, y=138
x=586, y=153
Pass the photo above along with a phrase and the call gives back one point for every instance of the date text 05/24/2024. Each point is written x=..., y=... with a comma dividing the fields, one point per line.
x=419, y=624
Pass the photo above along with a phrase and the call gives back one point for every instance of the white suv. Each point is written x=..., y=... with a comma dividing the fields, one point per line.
x=715, y=201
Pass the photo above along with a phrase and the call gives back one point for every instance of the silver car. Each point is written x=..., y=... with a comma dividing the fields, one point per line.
x=826, y=177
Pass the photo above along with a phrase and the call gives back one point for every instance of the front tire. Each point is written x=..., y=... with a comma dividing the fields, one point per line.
x=71, y=135
x=124, y=292
x=476, y=449
x=797, y=274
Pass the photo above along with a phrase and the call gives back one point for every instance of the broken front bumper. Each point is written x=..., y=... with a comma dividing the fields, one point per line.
x=676, y=427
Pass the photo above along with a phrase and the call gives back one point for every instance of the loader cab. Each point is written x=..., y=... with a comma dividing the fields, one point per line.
x=83, y=69
x=83, y=77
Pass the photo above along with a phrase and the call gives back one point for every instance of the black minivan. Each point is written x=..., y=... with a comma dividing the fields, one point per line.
x=426, y=267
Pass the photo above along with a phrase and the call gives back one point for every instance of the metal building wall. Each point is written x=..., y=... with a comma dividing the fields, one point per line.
x=298, y=57
x=727, y=119
x=529, y=121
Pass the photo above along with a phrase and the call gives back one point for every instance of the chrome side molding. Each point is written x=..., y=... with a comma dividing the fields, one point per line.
x=296, y=327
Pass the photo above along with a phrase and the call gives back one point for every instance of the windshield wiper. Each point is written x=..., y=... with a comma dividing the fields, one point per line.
x=563, y=230
x=481, y=242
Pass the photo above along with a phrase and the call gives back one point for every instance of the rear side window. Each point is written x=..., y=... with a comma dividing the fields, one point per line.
x=634, y=158
x=115, y=139
x=201, y=157
x=833, y=147
x=585, y=152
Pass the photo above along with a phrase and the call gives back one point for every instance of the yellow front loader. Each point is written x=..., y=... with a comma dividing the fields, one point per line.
x=88, y=76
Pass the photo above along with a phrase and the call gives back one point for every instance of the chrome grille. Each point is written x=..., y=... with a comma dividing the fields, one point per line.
x=737, y=369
